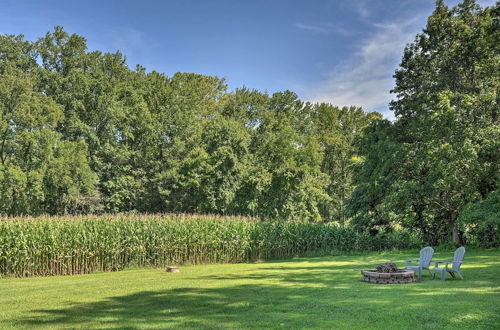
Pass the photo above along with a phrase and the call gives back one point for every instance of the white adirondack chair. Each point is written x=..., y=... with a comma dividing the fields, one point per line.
x=424, y=261
x=458, y=259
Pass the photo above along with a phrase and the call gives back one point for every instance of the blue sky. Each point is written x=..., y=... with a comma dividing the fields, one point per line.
x=344, y=51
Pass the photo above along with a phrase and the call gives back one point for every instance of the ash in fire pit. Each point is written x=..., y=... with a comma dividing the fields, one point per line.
x=388, y=273
x=388, y=267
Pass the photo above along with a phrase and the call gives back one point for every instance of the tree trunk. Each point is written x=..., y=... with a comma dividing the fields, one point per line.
x=455, y=235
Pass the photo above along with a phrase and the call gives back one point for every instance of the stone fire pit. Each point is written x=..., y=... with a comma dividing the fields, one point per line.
x=388, y=273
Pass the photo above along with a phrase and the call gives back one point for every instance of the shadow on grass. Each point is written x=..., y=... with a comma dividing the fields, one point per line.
x=243, y=306
x=346, y=304
x=277, y=295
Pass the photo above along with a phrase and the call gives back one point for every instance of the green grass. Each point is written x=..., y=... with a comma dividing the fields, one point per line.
x=316, y=292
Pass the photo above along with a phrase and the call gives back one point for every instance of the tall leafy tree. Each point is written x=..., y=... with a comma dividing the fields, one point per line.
x=442, y=151
x=39, y=173
x=337, y=129
x=285, y=144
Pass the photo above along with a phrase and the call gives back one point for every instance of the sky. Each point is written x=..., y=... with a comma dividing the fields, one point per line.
x=343, y=52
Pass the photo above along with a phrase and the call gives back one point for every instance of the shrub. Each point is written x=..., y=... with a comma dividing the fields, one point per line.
x=481, y=221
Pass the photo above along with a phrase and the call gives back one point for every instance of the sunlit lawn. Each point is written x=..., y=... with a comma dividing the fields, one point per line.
x=318, y=292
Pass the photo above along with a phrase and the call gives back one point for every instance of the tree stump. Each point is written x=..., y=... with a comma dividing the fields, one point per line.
x=173, y=269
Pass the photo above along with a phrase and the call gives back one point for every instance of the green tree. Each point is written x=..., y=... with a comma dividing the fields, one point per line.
x=30, y=151
x=442, y=151
x=285, y=145
x=98, y=136
x=481, y=221
x=337, y=130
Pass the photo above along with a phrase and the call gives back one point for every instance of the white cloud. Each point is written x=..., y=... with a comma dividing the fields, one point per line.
x=366, y=78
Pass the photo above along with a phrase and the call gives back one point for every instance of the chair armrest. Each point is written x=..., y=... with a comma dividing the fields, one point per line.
x=442, y=262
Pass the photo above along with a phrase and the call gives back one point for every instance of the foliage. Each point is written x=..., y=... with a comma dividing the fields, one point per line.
x=481, y=221
x=114, y=139
x=441, y=153
x=39, y=172
x=63, y=246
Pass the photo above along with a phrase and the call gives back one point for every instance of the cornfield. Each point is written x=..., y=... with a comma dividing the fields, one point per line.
x=79, y=245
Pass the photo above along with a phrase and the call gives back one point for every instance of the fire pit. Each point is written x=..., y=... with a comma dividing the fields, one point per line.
x=388, y=273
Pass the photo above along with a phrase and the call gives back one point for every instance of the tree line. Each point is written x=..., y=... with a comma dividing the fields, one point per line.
x=81, y=132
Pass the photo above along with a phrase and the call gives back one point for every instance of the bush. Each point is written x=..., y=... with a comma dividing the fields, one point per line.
x=481, y=221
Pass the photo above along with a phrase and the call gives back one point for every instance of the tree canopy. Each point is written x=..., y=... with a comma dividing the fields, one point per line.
x=442, y=152
x=82, y=132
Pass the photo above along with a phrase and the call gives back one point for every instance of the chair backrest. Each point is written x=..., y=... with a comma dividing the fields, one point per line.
x=458, y=258
x=426, y=256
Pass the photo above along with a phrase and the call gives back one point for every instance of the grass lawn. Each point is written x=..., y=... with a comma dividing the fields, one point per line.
x=317, y=292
